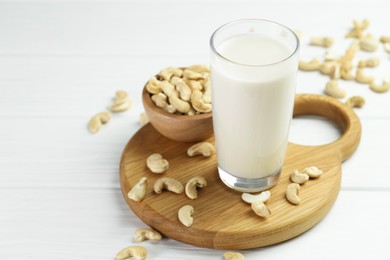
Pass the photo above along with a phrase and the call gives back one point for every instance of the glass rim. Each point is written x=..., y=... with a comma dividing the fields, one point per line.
x=214, y=50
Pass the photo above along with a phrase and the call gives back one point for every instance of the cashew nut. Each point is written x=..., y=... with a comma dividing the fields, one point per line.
x=138, y=252
x=143, y=118
x=120, y=105
x=331, y=56
x=160, y=99
x=387, y=47
x=170, y=109
x=97, y=120
x=332, y=89
x=369, y=63
x=313, y=172
x=336, y=72
x=142, y=234
x=137, y=193
x=121, y=94
x=207, y=91
x=346, y=70
x=250, y=198
x=358, y=28
x=312, y=65
x=168, y=184
x=260, y=209
x=192, y=184
x=204, y=148
x=384, y=87
x=180, y=105
x=198, y=103
x=185, y=215
x=194, y=84
x=347, y=74
x=355, y=101
x=156, y=163
x=350, y=53
x=184, y=90
x=292, y=193
x=322, y=41
x=233, y=256
x=154, y=86
x=168, y=89
x=328, y=67
x=368, y=43
x=167, y=73
x=298, y=177
x=363, y=78
x=192, y=112
x=385, y=39
x=200, y=68
x=190, y=74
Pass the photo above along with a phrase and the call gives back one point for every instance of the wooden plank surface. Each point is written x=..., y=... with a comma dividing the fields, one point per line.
x=61, y=61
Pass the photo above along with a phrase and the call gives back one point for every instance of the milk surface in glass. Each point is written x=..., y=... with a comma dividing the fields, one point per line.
x=253, y=95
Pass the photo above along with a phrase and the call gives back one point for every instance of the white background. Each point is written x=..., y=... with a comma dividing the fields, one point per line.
x=62, y=61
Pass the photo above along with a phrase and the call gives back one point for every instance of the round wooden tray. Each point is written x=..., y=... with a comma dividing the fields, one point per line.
x=221, y=219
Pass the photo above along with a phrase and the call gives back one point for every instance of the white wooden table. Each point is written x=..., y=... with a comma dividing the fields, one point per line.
x=61, y=62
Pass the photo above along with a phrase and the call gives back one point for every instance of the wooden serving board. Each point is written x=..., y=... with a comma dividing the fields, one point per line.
x=221, y=219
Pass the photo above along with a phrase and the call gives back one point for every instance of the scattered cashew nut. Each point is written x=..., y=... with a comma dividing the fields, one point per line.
x=357, y=30
x=143, y=118
x=385, y=39
x=387, y=47
x=156, y=163
x=332, y=89
x=204, y=148
x=312, y=65
x=137, y=193
x=313, y=172
x=384, y=87
x=369, y=63
x=185, y=215
x=121, y=103
x=355, y=101
x=233, y=256
x=251, y=198
x=192, y=184
x=97, y=120
x=363, y=78
x=292, y=193
x=138, y=252
x=328, y=67
x=298, y=177
x=142, y=234
x=260, y=209
x=168, y=184
x=322, y=41
x=368, y=43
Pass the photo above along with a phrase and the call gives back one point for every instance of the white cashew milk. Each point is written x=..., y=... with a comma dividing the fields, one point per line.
x=252, y=104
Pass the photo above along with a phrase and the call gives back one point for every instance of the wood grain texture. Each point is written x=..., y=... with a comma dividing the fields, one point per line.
x=221, y=219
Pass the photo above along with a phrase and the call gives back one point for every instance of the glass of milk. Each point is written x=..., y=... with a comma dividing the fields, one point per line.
x=254, y=64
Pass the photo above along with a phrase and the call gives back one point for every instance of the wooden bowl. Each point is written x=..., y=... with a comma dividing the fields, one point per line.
x=182, y=128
